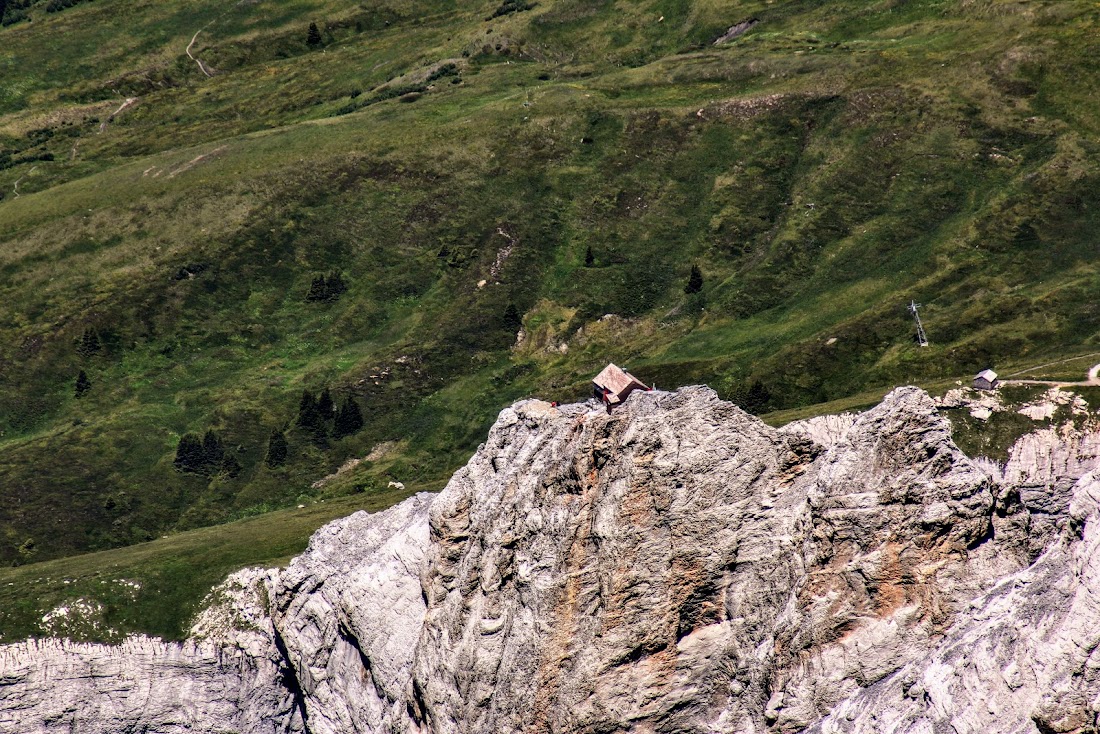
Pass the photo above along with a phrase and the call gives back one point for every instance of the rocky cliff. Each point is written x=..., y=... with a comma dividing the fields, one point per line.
x=676, y=566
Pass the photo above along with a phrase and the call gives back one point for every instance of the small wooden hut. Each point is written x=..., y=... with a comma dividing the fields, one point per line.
x=614, y=384
x=986, y=380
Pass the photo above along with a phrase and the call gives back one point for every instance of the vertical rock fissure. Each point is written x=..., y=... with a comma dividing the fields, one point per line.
x=349, y=637
x=288, y=679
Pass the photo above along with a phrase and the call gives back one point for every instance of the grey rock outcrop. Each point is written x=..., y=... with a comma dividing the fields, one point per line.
x=143, y=684
x=348, y=613
x=676, y=566
x=1026, y=658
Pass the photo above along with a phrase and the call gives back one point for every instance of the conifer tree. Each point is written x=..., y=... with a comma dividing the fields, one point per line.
x=348, y=420
x=695, y=281
x=756, y=397
x=212, y=451
x=325, y=406
x=589, y=258
x=334, y=286
x=513, y=321
x=318, y=289
x=189, y=454
x=313, y=36
x=83, y=384
x=308, y=415
x=89, y=344
x=311, y=419
x=276, y=449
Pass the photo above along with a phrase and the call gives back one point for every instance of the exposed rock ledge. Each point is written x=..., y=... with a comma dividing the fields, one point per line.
x=677, y=566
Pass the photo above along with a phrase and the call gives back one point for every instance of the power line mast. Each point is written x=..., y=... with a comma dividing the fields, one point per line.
x=921, y=336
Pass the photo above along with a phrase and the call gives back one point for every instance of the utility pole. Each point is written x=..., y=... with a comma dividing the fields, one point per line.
x=921, y=336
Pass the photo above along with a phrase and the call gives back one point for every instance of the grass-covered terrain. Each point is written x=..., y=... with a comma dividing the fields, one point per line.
x=184, y=181
x=157, y=586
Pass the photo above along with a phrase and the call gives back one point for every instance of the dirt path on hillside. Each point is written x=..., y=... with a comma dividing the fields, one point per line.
x=127, y=104
x=202, y=66
x=15, y=188
x=1093, y=377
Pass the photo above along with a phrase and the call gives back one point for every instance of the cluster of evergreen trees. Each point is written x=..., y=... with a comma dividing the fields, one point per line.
x=206, y=456
x=326, y=289
x=320, y=417
x=317, y=416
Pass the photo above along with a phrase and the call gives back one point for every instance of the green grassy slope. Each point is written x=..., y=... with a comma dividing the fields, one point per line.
x=829, y=165
x=157, y=587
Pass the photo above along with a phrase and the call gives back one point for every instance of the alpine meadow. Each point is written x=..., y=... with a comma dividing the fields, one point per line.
x=267, y=262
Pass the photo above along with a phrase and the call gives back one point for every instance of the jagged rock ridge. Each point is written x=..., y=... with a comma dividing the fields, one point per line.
x=677, y=566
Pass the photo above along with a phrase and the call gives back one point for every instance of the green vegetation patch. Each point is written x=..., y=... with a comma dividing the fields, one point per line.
x=156, y=587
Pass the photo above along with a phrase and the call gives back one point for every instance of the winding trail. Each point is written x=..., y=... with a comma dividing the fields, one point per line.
x=1092, y=379
x=202, y=66
x=15, y=188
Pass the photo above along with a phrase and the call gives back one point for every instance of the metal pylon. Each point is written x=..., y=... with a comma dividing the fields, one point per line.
x=921, y=336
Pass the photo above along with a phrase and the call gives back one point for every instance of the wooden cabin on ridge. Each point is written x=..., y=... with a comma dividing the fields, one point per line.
x=614, y=384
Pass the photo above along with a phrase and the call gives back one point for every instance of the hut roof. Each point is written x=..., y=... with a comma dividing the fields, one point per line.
x=617, y=379
x=988, y=375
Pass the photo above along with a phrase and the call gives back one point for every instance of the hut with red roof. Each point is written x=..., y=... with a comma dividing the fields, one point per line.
x=614, y=384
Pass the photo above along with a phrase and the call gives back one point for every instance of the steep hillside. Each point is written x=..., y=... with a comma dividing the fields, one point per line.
x=209, y=210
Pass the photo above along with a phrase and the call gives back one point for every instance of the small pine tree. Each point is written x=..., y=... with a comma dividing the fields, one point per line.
x=313, y=36
x=756, y=397
x=308, y=416
x=348, y=420
x=513, y=321
x=89, y=344
x=318, y=289
x=334, y=286
x=213, y=452
x=189, y=454
x=589, y=258
x=325, y=406
x=695, y=281
x=276, y=449
x=83, y=384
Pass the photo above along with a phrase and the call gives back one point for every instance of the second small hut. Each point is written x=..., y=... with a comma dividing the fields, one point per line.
x=614, y=384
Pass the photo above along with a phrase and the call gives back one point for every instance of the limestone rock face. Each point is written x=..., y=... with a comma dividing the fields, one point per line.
x=348, y=614
x=1041, y=471
x=589, y=572
x=1025, y=658
x=675, y=566
x=142, y=685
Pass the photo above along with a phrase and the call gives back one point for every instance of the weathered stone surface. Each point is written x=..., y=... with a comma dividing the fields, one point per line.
x=1024, y=658
x=594, y=572
x=676, y=566
x=1041, y=471
x=142, y=685
x=348, y=613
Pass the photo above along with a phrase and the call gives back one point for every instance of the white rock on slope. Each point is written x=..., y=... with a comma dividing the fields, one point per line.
x=677, y=566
